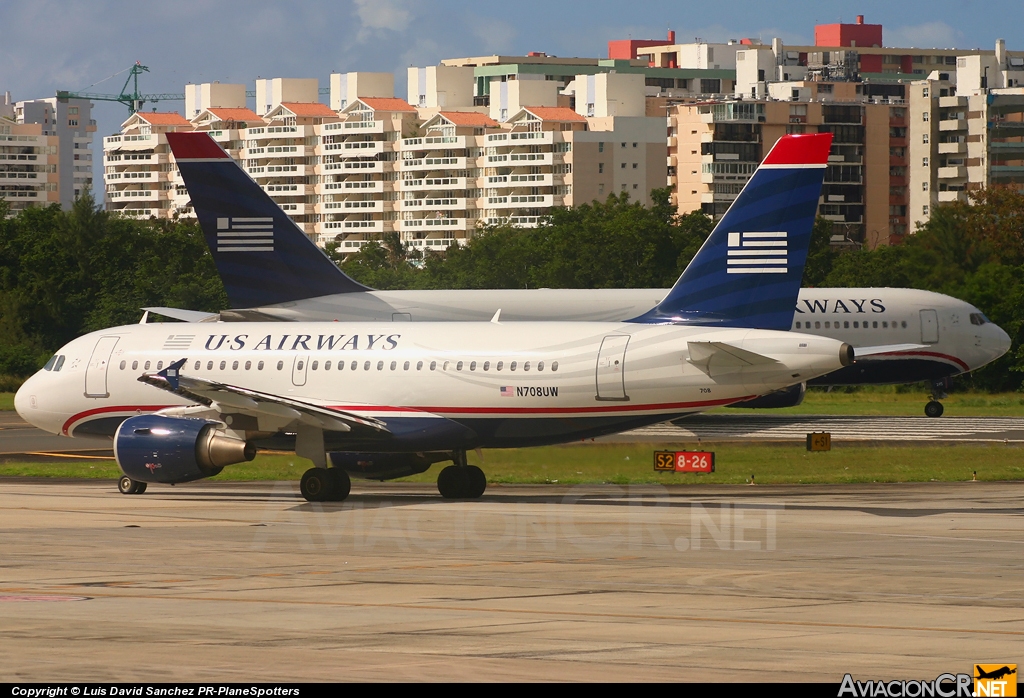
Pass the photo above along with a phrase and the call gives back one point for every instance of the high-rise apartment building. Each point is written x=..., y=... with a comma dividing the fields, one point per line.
x=138, y=166
x=71, y=121
x=29, y=164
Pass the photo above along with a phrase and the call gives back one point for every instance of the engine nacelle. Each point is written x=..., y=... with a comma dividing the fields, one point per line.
x=787, y=397
x=154, y=448
x=385, y=466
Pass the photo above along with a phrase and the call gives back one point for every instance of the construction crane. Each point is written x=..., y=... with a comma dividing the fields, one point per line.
x=133, y=100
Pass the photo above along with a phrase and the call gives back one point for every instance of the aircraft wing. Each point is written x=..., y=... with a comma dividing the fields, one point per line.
x=184, y=315
x=860, y=352
x=222, y=397
x=720, y=357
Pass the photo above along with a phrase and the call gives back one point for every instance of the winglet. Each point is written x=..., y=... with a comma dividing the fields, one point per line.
x=262, y=256
x=170, y=374
x=748, y=272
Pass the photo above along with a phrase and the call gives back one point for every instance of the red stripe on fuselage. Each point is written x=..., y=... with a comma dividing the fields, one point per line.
x=934, y=354
x=598, y=409
x=116, y=408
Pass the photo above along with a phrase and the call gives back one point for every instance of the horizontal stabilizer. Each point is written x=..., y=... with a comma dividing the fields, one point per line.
x=185, y=315
x=718, y=357
x=860, y=352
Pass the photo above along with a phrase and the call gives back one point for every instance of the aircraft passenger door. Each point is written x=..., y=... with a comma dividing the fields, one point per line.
x=96, y=371
x=611, y=364
x=299, y=369
x=929, y=327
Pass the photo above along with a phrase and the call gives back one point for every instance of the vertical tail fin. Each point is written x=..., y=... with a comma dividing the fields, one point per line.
x=261, y=255
x=748, y=272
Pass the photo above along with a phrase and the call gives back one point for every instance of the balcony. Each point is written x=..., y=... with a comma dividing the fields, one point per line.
x=352, y=206
x=130, y=177
x=262, y=133
x=954, y=172
x=355, y=149
x=354, y=127
x=953, y=125
x=949, y=196
x=282, y=171
x=277, y=151
x=131, y=142
x=337, y=227
x=433, y=184
x=288, y=189
x=430, y=164
x=430, y=225
x=947, y=148
x=520, y=180
x=436, y=244
x=521, y=137
x=434, y=142
x=520, y=159
x=521, y=201
x=946, y=102
x=354, y=187
x=138, y=194
x=895, y=160
x=433, y=204
x=139, y=212
x=358, y=167
x=296, y=209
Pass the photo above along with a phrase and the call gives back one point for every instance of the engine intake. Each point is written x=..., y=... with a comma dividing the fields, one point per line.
x=154, y=448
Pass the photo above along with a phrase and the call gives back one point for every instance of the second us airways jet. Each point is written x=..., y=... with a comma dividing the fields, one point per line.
x=272, y=271
x=384, y=400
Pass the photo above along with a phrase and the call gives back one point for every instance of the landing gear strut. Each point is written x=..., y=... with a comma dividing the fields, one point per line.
x=128, y=486
x=934, y=407
x=461, y=481
x=325, y=485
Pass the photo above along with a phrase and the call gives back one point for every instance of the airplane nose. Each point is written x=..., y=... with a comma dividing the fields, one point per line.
x=25, y=400
x=1003, y=342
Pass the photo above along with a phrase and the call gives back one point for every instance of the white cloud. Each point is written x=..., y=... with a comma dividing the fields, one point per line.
x=927, y=35
x=393, y=15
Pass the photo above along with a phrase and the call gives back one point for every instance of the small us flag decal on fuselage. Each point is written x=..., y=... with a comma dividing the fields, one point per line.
x=245, y=234
x=508, y=391
x=757, y=253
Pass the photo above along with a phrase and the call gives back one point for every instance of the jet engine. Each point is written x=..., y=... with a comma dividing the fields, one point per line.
x=153, y=448
x=787, y=397
x=385, y=466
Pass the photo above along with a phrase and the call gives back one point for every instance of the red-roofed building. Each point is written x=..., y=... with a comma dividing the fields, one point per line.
x=387, y=104
x=138, y=174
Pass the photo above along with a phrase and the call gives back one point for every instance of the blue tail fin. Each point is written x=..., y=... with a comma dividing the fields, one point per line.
x=748, y=272
x=261, y=255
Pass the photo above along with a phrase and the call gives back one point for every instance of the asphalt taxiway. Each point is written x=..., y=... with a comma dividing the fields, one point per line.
x=246, y=582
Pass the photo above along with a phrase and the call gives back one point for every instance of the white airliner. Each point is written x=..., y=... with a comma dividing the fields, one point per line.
x=286, y=277
x=182, y=401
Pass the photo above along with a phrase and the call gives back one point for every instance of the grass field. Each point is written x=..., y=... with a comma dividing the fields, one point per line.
x=633, y=464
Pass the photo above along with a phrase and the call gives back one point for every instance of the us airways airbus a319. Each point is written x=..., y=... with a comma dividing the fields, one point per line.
x=383, y=400
x=272, y=271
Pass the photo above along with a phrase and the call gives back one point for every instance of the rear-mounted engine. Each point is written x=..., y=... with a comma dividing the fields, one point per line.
x=152, y=448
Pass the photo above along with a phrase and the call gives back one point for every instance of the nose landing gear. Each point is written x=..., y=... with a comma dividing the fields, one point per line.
x=461, y=481
x=934, y=407
x=128, y=486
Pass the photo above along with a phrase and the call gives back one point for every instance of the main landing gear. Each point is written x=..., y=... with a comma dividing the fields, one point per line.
x=128, y=486
x=325, y=485
x=934, y=407
x=461, y=481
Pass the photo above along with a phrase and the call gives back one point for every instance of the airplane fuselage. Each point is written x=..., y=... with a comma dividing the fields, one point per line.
x=436, y=385
x=859, y=316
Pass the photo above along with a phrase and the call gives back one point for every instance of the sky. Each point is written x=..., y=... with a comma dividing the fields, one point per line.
x=51, y=45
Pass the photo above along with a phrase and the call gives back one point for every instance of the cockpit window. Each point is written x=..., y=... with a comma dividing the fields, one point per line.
x=50, y=363
x=60, y=363
x=979, y=319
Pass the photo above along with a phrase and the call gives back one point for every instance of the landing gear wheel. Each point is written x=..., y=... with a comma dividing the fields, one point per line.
x=128, y=486
x=452, y=484
x=317, y=485
x=934, y=409
x=476, y=482
x=341, y=484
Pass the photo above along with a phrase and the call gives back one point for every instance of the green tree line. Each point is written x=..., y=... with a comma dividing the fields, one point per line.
x=64, y=273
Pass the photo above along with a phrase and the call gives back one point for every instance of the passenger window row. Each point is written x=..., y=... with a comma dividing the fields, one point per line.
x=857, y=324
x=316, y=365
